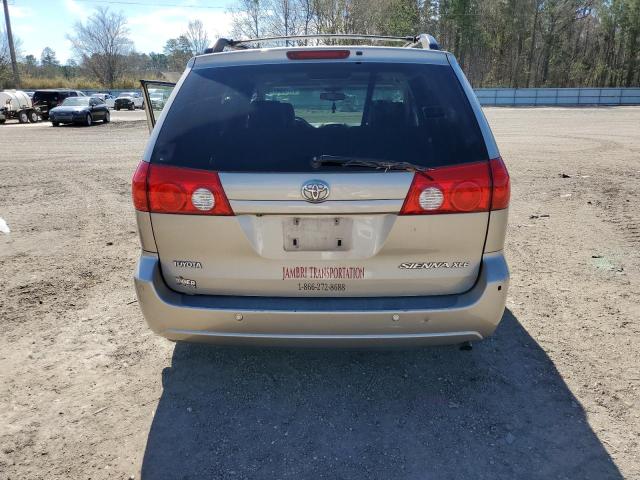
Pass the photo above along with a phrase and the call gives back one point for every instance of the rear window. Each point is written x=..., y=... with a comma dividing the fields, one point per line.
x=47, y=96
x=278, y=118
x=76, y=101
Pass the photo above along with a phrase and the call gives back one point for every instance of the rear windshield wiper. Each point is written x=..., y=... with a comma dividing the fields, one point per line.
x=336, y=160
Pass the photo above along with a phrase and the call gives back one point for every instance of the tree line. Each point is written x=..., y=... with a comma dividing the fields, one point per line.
x=104, y=56
x=499, y=43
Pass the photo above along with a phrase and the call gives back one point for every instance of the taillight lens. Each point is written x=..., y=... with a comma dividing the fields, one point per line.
x=318, y=54
x=165, y=189
x=501, y=184
x=459, y=189
x=139, y=187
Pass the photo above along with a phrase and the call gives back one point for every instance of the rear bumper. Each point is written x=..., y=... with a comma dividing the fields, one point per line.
x=341, y=322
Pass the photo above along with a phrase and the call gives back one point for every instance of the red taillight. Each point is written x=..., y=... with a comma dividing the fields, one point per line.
x=164, y=189
x=317, y=54
x=501, y=184
x=139, y=187
x=459, y=189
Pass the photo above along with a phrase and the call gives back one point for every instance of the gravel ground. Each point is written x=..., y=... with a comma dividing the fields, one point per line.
x=86, y=391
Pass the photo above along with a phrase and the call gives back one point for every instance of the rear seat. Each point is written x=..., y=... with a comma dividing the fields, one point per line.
x=270, y=114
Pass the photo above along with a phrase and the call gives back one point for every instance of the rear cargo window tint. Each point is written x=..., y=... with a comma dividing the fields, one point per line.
x=277, y=118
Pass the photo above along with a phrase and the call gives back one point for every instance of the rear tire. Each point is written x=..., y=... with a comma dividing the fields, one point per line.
x=88, y=120
x=23, y=117
x=55, y=124
x=117, y=108
x=33, y=116
x=107, y=118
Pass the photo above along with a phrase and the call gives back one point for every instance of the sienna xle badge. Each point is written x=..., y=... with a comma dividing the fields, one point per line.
x=348, y=196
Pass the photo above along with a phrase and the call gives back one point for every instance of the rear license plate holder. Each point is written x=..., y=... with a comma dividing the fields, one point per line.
x=317, y=234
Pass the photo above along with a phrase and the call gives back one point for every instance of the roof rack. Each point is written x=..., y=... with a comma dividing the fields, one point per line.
x=422, y=40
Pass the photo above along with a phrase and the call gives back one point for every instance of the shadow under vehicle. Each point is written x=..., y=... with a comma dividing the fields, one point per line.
x=501, y=411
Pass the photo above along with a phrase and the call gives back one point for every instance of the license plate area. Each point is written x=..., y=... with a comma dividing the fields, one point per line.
x=330, y=234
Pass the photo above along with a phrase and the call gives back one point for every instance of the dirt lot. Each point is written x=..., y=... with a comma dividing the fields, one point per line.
x=86, y=391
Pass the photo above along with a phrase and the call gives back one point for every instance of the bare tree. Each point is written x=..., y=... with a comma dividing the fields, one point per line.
x=197, y=37
x=6, y=78
x=4, y=51
x=249, y=19
x=102, y=44
x=306, y=9
x=283, y=18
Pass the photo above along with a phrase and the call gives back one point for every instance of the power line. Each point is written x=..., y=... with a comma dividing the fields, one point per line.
x=134, y=3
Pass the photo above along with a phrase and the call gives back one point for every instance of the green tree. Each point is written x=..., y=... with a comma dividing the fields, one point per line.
x=178, y=53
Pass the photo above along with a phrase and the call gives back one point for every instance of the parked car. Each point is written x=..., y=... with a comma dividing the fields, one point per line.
x=129, y=101
x=106, y=98
x=80, y=110
x=47, y=99
x=158, y=99
x=16, y=104
x=301, y=222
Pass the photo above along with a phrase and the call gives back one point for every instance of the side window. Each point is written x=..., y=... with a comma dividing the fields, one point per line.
x=391, y=103
x=70, y=94
x=388, y=93
x=156, y=94
x=320, y=106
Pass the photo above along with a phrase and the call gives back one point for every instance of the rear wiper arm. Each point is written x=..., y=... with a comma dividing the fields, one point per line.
x=385, y=165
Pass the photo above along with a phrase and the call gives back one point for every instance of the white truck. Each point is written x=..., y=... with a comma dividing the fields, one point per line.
x=106, y=98
x=129, y=101
x=16, y=104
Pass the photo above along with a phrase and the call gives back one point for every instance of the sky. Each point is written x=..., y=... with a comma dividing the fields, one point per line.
x=45, y=23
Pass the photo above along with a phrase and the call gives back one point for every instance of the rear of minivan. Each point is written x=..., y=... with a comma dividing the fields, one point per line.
x=322, y=196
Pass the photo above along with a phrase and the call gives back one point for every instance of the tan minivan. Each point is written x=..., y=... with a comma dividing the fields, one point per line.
x=343, y=195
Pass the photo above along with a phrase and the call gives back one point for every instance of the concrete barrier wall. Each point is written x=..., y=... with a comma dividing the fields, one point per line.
x=558, y=96
x=535, y=96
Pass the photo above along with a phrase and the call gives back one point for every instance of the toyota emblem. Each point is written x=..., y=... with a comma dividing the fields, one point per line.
x=315, y=191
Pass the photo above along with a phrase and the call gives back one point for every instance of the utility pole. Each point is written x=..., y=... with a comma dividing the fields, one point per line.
x=12, y=50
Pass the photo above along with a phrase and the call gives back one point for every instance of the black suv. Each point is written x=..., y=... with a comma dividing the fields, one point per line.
x=45, y=100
